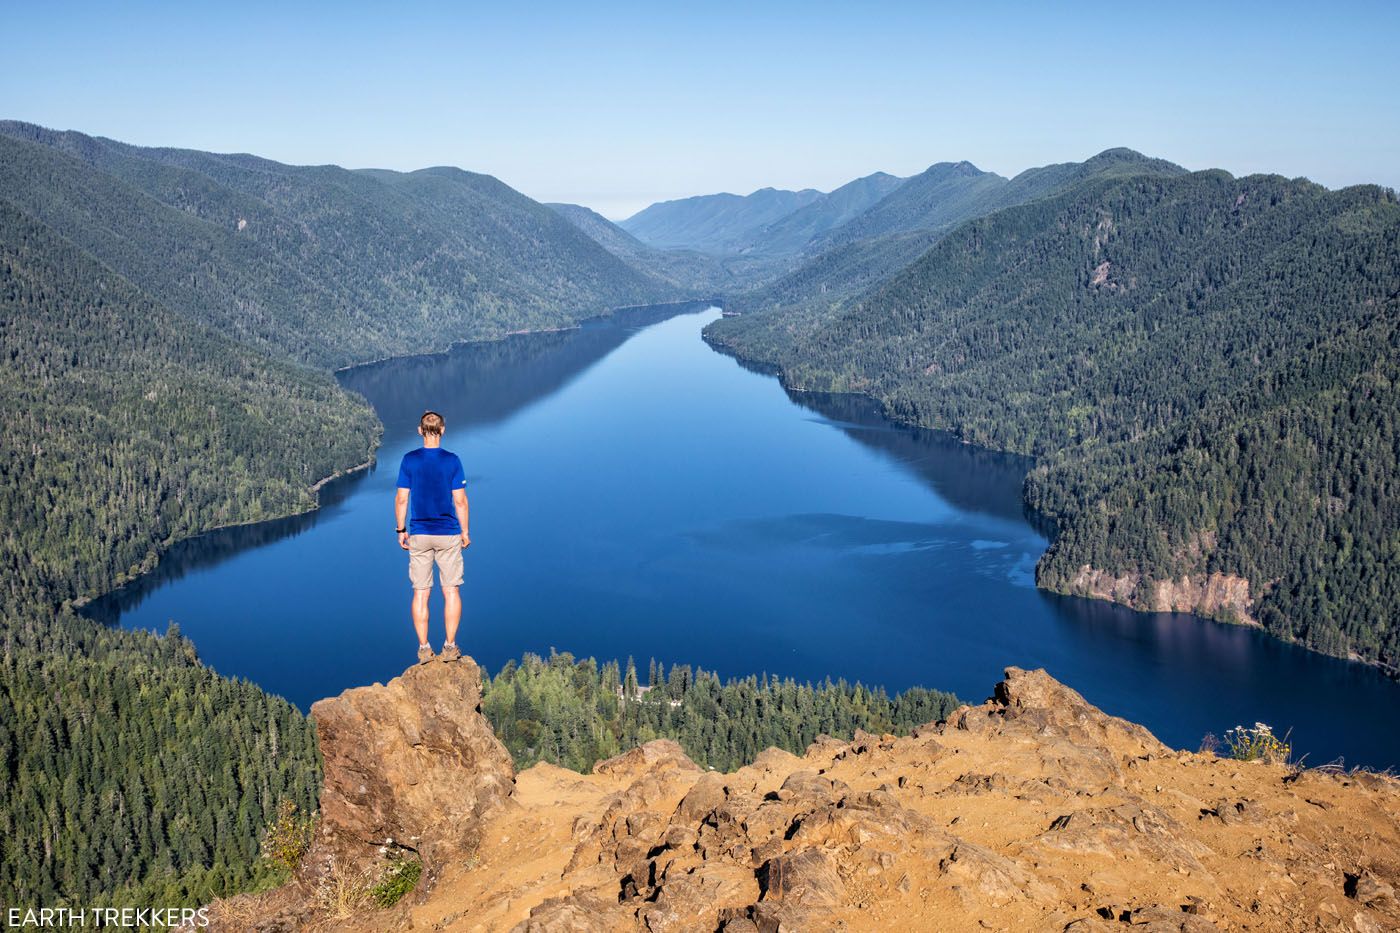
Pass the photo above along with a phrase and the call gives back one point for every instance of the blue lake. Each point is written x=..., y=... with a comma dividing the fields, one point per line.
x=635, y=493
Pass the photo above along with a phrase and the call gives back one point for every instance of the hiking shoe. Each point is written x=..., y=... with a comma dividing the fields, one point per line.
x=450, y=652
x=425, y=654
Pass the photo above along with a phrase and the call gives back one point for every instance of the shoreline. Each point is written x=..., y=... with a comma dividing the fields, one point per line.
x=776, y=371
x=164, y=548
x=529, y=331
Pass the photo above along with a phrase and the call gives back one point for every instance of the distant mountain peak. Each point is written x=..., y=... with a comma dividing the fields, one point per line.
x=1122, y=155
x=963, y=169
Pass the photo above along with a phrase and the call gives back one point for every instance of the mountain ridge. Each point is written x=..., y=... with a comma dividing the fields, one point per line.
x=332, y=265
x=715, y=223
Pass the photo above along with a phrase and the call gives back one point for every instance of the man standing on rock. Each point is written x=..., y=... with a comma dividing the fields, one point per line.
x=432, y=484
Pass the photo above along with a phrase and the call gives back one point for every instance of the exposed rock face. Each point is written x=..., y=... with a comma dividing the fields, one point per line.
x=411, y=766
x=1032, y=811
x=1217, y=595
x=413, y=761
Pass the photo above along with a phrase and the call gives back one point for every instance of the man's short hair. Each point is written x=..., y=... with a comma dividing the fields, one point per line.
x=430, y=423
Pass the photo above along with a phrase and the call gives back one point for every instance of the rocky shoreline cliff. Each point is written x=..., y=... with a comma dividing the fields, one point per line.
x=1032, y=811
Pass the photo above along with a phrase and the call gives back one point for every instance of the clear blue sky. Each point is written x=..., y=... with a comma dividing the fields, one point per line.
x=619, y=105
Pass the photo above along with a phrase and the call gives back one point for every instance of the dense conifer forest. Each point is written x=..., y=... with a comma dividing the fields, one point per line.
x=574, y=713
x=128, y=771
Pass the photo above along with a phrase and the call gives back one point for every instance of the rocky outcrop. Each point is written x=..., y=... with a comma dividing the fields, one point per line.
x=1220, y=596
x=1032, y=811
x=411, y=768
x=413, y=761
x=1217, y=595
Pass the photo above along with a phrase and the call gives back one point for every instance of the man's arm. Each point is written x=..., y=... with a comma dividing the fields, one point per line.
x=401, y=516
x=459, y=500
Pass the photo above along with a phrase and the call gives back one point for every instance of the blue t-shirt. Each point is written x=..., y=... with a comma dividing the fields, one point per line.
x=431, y=475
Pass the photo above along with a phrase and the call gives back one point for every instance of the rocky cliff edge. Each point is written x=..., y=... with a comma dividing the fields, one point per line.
x=1032, y=811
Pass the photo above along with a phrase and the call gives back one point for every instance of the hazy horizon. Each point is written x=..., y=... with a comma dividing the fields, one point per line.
x=619, y=107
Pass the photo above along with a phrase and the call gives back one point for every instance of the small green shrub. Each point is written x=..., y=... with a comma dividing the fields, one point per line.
x=1257, y=744
x=400, y=876
x=287, y=838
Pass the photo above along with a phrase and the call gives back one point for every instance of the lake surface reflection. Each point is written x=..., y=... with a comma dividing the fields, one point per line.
x=636, y=493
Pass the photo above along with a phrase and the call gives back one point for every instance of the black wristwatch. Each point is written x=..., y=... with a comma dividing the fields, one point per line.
x=400, y=531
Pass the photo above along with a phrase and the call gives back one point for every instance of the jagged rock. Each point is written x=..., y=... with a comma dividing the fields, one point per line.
x=707, y=794
x=1034, y=698
x=412, y=761
x=1034, y=810
x=806, y=878
x=1112, y=832
x=1366, y=888
x=692, y=900
x=649, y=758
x=811, y=784
x=775, y=759
x=572, y=914
x=982, y=876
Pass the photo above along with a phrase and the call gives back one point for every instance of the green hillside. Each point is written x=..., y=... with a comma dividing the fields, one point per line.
x=1206, y=366
x=128, y=427
x=327, y=265
x=127, y=770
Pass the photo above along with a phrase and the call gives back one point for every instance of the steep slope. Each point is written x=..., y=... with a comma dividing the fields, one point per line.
x=327, y=265
x=603, y=231
x=792, y=233
x=1032, y=811
x=1207, y=365
x=714, y=223
x=126, y=427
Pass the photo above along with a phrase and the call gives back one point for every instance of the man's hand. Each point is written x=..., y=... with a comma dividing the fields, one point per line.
x=466, y=540
x=403, y=540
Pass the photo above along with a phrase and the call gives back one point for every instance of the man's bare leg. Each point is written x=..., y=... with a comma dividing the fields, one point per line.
x=420, y=615
x=451, y=612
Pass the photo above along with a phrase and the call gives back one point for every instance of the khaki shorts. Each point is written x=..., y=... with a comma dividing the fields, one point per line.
x=425, y=550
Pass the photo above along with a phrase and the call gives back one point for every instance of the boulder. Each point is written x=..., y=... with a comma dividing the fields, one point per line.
x=649, y=758
x=411, y=764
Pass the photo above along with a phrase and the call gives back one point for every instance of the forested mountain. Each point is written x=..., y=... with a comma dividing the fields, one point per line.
x=943, y=194
x=128, y=426
x=899, y=229
x=1206, y=366
x=815, y=290
x=715, y=223
x=696, y=274
x=327, y=265
x=127, y=770
x=792, y=233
